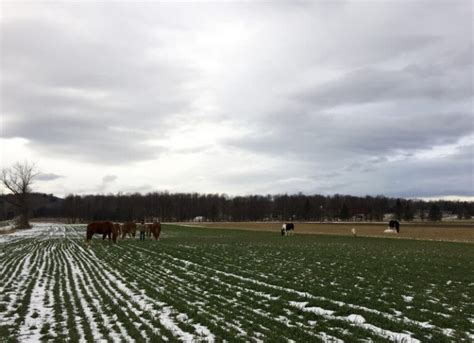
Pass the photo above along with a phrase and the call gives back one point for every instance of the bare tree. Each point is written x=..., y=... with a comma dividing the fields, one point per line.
x=18, y=179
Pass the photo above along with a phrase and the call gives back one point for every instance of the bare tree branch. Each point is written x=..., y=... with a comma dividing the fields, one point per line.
x=18, y=179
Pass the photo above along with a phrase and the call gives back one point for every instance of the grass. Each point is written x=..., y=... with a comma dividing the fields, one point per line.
x=242, y=284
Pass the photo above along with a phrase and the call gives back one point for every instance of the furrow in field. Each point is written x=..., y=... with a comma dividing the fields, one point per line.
x=76, y=314
x=128, y=300
x=251, y=304
x=37, y=313
x=369, y=327
x=101, y=297
x=392, y=315
x=196, y=289
x=9, y=265
x=135, y=300
x=90, y=310
x=20, y=287
x=56, y=295
x=183, y=296
x=76, y=324
x=192, y=288
x=46, y=332
x=156, y=285
x=11, y=268
x=164, y=312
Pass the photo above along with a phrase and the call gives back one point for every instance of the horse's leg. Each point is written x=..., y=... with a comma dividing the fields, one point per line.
x=88, y=239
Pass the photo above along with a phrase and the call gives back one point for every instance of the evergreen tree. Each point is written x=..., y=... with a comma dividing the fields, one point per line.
x=408, y=214
x=307, y=210
x=464, y=211
x=422, y=214
x=344, y=215
x=398, y=211
x=435, y=213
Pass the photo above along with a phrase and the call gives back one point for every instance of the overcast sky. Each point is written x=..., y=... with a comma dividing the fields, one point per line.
x=347, y=97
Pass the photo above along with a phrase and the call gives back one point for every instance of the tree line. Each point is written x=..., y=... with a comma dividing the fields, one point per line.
x=220, y=207
x=21, y=203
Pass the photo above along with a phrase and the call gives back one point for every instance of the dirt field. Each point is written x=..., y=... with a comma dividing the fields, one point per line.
x=453, y=232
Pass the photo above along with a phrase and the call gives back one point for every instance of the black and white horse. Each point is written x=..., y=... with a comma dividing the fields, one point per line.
x=287, y=229
x=394, y=225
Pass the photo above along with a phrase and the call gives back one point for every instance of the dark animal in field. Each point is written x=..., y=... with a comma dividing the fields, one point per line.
x=151, y=229
x=106, y=229
x=287, y=229
x=118, y=228
x=394, y=225
x=129, y=228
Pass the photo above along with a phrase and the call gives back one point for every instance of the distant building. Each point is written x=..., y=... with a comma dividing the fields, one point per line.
x=199, y=219
x=358, y=217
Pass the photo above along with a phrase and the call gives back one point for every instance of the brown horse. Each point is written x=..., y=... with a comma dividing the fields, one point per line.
x=129, y=228
x=118, y=228
x=106, y=228
x=153, y=229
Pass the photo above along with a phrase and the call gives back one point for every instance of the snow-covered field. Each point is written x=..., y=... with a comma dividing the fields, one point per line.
x=210, y=286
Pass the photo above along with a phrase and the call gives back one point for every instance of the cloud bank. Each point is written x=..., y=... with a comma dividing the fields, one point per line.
x=343, y=97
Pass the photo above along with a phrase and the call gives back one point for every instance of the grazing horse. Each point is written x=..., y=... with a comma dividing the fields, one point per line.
x=129, y=228
x=287, y=229
x=118, y=228
x=150, y=229
x=107, y=229
x=394, y=225
x=153, y=229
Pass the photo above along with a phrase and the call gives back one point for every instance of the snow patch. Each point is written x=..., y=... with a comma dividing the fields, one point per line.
x=356, y=318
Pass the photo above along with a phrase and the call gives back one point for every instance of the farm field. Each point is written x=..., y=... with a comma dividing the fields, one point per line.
x=200, y=284
x=444, y=231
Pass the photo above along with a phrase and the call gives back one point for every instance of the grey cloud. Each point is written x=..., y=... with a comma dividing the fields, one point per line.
x=109, y=178
x=438, y=177
x=64, y=90
x=334, y=89
x=47, y=177
x=106, y=181
x=413, y=177
x=370, y=85
x=83, y=140
x=329, y=137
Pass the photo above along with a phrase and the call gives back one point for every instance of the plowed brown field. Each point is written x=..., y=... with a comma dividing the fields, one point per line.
x=454, y=232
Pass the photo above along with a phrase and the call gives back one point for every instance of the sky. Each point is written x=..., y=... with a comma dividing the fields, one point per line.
x=348, y=97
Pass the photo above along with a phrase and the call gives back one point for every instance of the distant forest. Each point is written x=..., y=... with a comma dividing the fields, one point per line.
x=215, y=207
